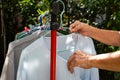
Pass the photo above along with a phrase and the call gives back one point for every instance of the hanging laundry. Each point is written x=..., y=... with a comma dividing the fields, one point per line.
x=35, y=59
x=15, y=48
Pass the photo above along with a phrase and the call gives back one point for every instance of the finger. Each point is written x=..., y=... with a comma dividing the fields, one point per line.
x=73, y=26
x=81, y=53
x=78, y=52
x=74, y=63
x=76, y=28
x=72, y=30
x=71, y=68
x=70, y=63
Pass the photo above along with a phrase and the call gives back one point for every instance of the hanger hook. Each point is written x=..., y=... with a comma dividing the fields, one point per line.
x=61, y=15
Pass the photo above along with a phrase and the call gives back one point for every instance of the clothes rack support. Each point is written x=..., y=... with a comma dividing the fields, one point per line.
x=53, y=55
x=54, y=27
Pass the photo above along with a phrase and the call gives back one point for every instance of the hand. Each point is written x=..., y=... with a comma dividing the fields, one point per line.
x=80, y=27
x=78, y=59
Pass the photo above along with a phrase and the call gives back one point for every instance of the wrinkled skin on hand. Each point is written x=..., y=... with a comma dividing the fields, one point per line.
x=78, y=59
x=80, y=27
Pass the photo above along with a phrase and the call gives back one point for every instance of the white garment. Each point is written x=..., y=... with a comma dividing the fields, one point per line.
x=15, y=48
x=35, y=59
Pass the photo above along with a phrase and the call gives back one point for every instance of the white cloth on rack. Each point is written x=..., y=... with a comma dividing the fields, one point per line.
x=35, y=59
x=15, y=48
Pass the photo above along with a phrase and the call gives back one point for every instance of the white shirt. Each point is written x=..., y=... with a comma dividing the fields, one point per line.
x=15, y=48
x=35, y=59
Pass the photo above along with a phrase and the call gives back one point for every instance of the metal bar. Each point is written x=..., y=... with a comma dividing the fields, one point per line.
x=53, y=56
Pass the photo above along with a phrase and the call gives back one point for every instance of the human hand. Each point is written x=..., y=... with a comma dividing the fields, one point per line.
x=79, y=27
x=78, y=59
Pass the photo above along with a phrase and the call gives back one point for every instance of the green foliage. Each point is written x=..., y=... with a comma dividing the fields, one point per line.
x=29, y=9
x=117, y=75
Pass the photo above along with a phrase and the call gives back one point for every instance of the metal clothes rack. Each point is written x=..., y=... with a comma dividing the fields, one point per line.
x=54, y=26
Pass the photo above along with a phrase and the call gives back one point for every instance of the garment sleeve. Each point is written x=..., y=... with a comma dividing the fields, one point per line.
x=8, y=67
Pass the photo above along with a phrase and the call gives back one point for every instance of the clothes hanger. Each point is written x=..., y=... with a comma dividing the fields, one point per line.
x=61, y=15
x=45, y=16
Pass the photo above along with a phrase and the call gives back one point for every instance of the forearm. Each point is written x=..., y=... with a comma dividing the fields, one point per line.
x=108, y=61
x=105, y=36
